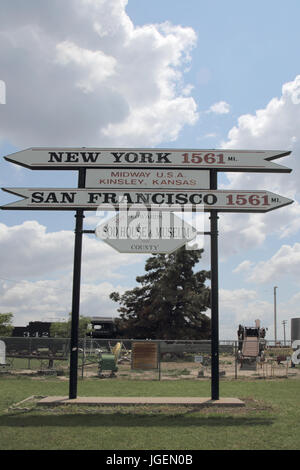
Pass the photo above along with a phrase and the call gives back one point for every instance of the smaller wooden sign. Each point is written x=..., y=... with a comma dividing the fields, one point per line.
x=144, y=355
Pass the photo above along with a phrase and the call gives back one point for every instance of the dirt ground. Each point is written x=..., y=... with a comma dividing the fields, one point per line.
x=192, y=370
x=173, y=370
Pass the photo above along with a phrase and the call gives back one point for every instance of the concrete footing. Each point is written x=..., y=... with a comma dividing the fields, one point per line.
x=122, y=401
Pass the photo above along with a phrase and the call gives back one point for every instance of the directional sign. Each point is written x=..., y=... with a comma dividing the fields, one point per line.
x=131, y=178
x=169, y=200
x=146, y=232
x=221, y=160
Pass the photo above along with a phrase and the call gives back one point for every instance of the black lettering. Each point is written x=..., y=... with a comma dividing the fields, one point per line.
x=117, y=156
x=55, y=157
x=193, y=198
x=51, y=198
x=155, y=196
x=146, y=157
x=210, y=199
x=163, y=158
x=170, y=198
x=37, y=197
x=67, y=197
x=110, y=198
x=135, y=157
x=72, y=157
x=142, y=198
x=93, y=197
x=181, y=198
x=126, y=198
x=90, y=157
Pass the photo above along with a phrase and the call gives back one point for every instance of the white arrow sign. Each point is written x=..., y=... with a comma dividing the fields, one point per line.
x=169, y=200
x=221, y=160
x=146, y=232
x=130, y=178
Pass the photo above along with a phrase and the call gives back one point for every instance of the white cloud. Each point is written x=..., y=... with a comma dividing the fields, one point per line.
x=242, y=306
x=144, y=122
x=244, y=266
x=221, y=107
x=272, y=127
x=99, y=67
x=285, y=262
x=231, y=297
x=45, y=300
x=28, y=251
x=84, y=74
x=241, y=232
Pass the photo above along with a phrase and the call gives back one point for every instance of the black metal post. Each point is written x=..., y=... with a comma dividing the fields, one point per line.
x=214, y=294
x=235, y=358
x=159, y=361
x=76, y=293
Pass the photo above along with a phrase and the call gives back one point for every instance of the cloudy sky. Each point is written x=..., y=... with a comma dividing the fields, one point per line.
x=172, y=74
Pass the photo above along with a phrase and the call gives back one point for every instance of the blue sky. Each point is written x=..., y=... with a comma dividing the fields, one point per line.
x=241, y=46
x=165, y=73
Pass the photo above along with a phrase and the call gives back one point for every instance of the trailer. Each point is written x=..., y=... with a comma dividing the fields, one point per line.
x=251, y=345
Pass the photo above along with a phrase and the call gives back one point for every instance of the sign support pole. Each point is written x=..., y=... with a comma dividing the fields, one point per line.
x=214, y=294
x=76, y=293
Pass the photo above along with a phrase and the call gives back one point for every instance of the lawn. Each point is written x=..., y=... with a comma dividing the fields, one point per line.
x=270, y=420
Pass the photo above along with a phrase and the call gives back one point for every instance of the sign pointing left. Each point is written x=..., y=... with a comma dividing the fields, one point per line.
x=169, y=200
x=198, y=159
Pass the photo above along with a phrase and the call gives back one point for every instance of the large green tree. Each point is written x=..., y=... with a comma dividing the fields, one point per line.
x=6, y=325
x=62, y=329
x=170, y=301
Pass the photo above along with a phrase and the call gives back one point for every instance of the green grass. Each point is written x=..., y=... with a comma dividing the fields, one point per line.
x=270, y=420
x=20, y=363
